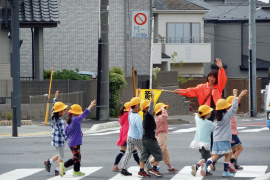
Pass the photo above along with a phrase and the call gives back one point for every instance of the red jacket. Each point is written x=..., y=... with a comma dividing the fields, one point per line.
x=123, y=120
x=202, y=90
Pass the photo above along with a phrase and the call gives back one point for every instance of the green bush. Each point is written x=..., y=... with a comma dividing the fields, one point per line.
x=66, y=74
x=117, y=83
x=9, y=116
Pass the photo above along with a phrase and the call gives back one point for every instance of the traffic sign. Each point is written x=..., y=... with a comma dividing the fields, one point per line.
x=140, y=24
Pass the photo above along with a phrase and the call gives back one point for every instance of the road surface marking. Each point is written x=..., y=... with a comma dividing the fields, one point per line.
x=19, y=173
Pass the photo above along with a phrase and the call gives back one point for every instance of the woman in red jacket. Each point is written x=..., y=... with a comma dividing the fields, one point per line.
x=211, y=91
x=123, y=120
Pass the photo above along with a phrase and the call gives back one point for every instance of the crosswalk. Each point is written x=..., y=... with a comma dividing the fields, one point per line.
x=249, y=172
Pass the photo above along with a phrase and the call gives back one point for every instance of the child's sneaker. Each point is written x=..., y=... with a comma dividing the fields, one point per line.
x=79, y=173
x=237, y=167
x=56, y=173
x=62, y=169
x=172, y=170
x=126, y=173
x=193, y=170
x=208, y=173
x=47, y=165
x=116, y=168
x=155, y=172
x=227, y=174
x=232, y=168
x=143, y=174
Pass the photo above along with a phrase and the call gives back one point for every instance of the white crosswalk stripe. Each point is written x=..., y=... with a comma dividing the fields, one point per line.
x=251, y=171
x=185, y=130
x=255, y=130
x=19, y=173
x=69, y=175
x=133, y=169
x=184, y=173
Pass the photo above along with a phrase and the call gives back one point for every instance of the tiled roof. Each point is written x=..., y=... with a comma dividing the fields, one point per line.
x=176, y=5
x=38, y=10
x=232, y=10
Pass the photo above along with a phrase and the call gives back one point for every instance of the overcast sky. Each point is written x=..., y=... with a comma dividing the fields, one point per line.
x=266, y=1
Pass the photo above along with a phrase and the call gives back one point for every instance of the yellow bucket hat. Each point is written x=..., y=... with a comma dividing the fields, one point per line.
x=134, y=101
x=127, y=106
x=204, y=109
x=222, y=104
x=229, y=99
x=59, y=106
x=145, y=104
x=158, y=107
x=75, y=109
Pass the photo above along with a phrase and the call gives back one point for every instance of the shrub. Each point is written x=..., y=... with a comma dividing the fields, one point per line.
x=66, y=74
x=9, y=116
x=117, y=83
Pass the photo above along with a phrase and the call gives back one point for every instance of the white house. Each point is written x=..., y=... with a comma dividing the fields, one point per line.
x=179, y=28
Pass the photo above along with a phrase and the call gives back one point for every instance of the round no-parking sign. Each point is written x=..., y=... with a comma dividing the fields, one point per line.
x=140, y=24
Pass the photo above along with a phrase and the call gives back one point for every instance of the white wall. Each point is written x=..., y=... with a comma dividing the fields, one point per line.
x=165, y=18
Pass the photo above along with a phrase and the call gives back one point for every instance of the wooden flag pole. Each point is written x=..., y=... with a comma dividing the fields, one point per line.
x=134, y=85
x=48, y=102
x=171, y=91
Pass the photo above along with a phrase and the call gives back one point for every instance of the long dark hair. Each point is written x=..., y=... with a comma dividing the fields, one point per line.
x=121, y=111
x=56, y=116
x=213, y=72
x=220, y=114
x=69, y=118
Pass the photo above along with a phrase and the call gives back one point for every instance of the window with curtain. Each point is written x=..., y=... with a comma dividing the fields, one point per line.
x=183, y=33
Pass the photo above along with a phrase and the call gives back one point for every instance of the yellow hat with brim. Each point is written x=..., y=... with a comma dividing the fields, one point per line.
x=135, y=101
x=127, y=106
x=145, y=104
x=159, y=106
x=204, y=110
x=229, y=99
x=222, y=104
x=75, y=109
x=59, y=106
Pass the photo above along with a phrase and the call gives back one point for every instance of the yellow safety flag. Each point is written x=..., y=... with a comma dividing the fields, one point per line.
x=146, y=94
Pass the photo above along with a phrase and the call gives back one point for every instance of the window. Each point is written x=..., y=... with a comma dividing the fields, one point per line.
x=183, y=33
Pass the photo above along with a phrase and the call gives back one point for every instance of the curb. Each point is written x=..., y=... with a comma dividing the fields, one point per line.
x=9, y=122
x=103, y=126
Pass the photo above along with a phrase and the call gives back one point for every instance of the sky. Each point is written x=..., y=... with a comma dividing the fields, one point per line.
x=266, y=1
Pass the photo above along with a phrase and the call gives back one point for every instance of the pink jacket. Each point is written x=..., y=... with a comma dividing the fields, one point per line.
x=234, y=126
x=161, y=122
x=123, y=120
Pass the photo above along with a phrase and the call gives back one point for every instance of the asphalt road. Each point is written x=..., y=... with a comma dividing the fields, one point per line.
x=20, y=156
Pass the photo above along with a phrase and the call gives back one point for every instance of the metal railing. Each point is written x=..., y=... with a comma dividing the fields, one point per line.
x=181, y=40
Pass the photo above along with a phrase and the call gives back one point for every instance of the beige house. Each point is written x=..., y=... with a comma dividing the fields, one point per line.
x=179, y=28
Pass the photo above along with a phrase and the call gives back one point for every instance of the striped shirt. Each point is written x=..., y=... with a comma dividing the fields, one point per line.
x=58, y=131
x=74, y=131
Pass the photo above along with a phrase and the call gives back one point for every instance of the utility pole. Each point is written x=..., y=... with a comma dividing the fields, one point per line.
x=252, y=59
x=103, y=64
x=152, y=46
x=15, y=61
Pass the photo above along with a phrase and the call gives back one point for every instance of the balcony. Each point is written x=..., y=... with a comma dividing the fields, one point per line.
x=189, y=50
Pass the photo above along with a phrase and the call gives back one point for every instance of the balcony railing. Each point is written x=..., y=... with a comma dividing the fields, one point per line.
x=181, y=40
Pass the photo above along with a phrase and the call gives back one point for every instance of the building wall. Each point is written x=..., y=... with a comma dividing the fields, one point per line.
x=225, y=39
x=165, y=18
x=4, y=55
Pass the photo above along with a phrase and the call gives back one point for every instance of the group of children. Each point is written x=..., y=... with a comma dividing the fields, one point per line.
x=225, y=139
x=149, y=136
x=72, y=133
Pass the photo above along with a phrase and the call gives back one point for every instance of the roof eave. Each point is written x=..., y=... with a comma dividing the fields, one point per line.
x=180, y=11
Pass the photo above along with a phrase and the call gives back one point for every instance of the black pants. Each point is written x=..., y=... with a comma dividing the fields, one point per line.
x=76, y=160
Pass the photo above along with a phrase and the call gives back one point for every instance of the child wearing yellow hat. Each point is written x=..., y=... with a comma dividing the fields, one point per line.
x=161, y=117
x=236, y=144
x=202, y=138
x=122, y=142
x=58, y=134
x=74, y=134
x=222, y=134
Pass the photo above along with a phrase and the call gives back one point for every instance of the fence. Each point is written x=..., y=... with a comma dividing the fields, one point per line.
x=37, y=106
